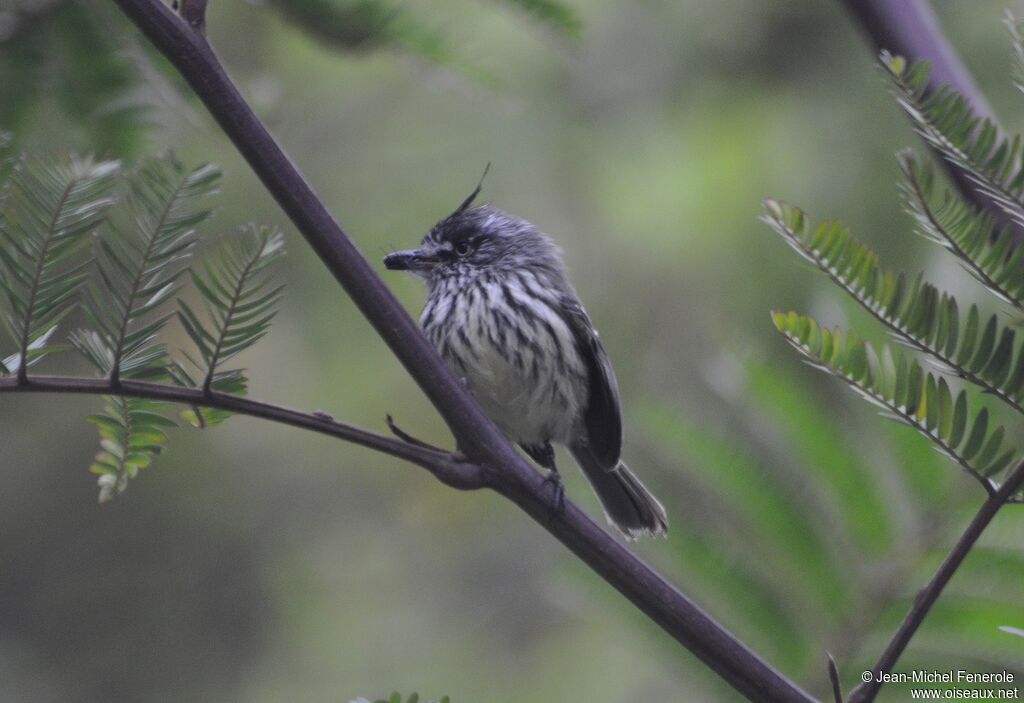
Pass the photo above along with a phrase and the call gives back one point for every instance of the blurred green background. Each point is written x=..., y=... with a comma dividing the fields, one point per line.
x=258, y=563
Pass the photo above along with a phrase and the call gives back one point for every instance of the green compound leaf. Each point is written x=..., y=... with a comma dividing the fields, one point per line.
x=947, y=123
x=239, y=296
x=916, y=312
x=904, y=392
x=1016, y=28
x=49, y=208
x=140, y=264
x=132, y=432
x=973, y=236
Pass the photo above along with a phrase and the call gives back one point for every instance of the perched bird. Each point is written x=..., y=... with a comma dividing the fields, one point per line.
x=503, y=315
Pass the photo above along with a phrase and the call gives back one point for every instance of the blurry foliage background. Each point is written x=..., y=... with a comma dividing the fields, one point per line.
x=257, y=563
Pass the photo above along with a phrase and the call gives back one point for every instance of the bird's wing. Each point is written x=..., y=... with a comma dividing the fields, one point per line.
x=602, y=419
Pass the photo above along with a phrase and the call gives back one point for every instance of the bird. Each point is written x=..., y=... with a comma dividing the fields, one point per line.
x=503, y=315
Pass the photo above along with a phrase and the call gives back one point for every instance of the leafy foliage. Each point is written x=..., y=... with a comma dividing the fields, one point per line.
x=139, y=265
x=239, y=295
x=919, y=315
x=68, y=58
x=63, y=54
x=368, y=25
x=365, y=25
x=397, y=698
x=906, y=393
x=986, y=251
x=1016, y=28
x=946, y=122
x=141, y=249
x=916, y=312
x=551, y=13
x=49, y=210
x=132, y=432
x=785, y=486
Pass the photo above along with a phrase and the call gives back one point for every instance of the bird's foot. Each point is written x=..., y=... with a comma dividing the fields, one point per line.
x=557, y=491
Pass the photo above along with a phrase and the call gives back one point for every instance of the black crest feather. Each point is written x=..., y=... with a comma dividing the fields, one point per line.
x=476, y=191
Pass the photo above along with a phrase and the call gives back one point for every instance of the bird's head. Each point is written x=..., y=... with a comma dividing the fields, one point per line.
x=474, y=240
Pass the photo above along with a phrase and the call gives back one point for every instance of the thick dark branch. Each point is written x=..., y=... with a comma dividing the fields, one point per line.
x=930, y=593
x=909, y=28
x=446, y=467
x=476, y=435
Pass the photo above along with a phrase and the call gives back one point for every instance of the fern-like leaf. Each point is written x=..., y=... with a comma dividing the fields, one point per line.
x=132, y=432
x=983, y=352
x=946, y=121
x=1016, y=28
x=240, y=298
x=906, y=393
x=140, y=264
x=50, y=208
x=971, y=235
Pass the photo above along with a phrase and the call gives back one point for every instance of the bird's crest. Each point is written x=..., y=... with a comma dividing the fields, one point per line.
x=472, y=196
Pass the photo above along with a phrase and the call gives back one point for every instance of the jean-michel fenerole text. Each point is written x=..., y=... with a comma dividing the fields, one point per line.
x=935, y=676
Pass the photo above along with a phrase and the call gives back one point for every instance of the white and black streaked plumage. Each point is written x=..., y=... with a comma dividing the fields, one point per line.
x=502, y=313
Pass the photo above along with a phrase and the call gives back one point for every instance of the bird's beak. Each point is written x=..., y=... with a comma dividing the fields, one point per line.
x=414, y=260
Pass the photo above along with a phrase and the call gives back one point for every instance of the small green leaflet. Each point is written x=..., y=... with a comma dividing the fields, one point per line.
x=906, y=393
x=132, y=432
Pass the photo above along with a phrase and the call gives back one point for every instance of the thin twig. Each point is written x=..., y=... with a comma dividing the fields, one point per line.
x=833, y=677
x=445, y=466
x=405, y=436
x=475, y=434
x=930, y=593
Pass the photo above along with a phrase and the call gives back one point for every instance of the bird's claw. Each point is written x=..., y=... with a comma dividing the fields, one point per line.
x=558, y=491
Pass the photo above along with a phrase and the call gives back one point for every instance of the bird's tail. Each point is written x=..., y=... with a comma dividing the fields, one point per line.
x=627, y=503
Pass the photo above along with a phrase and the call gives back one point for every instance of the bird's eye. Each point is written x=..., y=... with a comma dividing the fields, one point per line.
x=462, y=248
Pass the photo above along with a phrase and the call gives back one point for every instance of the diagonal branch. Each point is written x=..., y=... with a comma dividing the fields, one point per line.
x=476, y=435
x=926, y=598
x=909, y=28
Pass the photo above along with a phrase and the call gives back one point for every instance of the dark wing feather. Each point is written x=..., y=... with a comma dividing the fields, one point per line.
x=602, y=418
